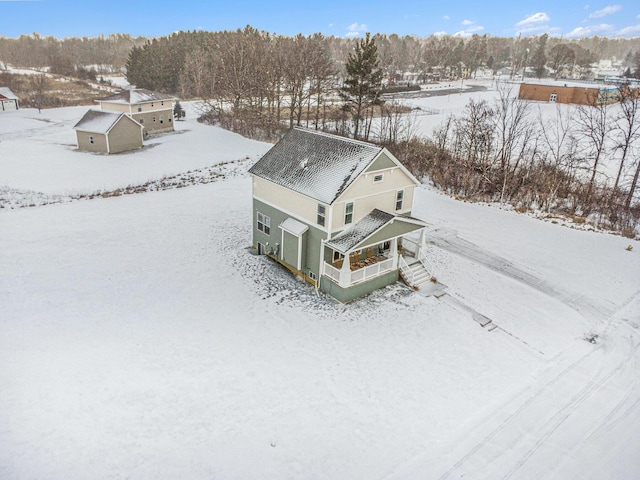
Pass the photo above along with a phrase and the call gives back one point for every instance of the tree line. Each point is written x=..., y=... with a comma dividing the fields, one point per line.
x=258, y=84
x=509, y=152
x=105, y=54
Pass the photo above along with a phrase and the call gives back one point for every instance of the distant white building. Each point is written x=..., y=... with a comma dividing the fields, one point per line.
x=8, y=100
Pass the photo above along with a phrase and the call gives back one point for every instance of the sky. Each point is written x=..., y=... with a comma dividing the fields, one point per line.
x=342, y=18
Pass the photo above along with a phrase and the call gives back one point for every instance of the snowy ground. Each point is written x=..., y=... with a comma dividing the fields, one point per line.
x=140, y=339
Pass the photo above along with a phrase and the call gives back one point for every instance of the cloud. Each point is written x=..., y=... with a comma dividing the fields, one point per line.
x=632, y=31
x=467, y=22
x=589, y=30
x=440, y=34
x=467, y=32
x=535, y=19
x=606, y=11
x=355, y=29
x=446, y=17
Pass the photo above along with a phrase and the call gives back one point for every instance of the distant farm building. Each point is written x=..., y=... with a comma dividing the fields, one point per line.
x=572, y=94
x=8, y=100
x=154, y=111
x=108, y=132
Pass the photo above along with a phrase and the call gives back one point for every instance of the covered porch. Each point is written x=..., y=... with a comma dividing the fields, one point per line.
x=366, y=256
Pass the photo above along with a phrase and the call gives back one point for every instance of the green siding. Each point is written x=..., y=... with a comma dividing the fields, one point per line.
x=290, y=250
x=394, y=229
x=311, y=239
x=380, y=163
x=345, y=295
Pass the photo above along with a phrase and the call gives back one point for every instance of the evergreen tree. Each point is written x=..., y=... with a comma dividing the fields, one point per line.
x=363, y=84
x=178, y=111
x=539, y=58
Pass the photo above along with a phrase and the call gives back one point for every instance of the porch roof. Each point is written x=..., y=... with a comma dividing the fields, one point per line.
x=376, y=227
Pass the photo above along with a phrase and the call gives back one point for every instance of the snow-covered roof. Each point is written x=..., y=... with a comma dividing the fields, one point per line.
x=6, y=93
x=316, y=164
x=136, y=95
x=294, y=227
x=97, y=121
x=356, y=233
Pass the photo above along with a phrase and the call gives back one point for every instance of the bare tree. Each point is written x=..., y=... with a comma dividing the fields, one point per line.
x=513, y=132
x=594, y=128
x=39, y=86
x=627, y=126
x=560, y=146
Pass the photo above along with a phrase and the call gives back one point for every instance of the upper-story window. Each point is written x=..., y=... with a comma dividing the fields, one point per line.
x=553, y=97
x=152, y=104
x=91, y=140
x=378, y=178
x=161, y=118
x=139, y=107
x=399, y=199
x=348, y=213
x=322, y=211
x=161, y=102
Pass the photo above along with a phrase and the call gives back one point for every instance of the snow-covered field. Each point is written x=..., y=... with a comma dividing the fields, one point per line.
x=140, y=339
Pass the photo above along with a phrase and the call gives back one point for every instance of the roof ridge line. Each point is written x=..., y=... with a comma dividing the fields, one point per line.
x=338, y=137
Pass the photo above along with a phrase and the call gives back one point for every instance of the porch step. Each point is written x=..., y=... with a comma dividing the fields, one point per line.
x=418, y=274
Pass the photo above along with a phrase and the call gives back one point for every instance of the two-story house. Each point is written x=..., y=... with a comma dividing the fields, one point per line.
x=153, y=110
x=336, y=212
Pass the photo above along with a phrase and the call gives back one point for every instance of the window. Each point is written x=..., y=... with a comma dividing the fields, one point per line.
x=378, y=178
x=552, y=97
x=142, y=120
x=348, y=213
x=321, y=214
x=154, y=118
x=161, y=102
x=152, y=104
x=264, y=223
x=139, y=107
x=169, y=118
x=312, y=275
x=161, y=118
x=399, y=198
x=91, y=140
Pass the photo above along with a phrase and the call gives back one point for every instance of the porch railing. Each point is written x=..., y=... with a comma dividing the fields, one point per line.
x=353, y=277
x=410, y=247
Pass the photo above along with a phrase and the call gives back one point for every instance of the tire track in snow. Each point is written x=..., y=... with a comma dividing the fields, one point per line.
x=581, y=399
x=449, y=241
x=489, y=441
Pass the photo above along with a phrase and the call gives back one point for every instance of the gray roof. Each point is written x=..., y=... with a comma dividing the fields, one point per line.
x=136, y=95
x=97, y=121
x=316, y=164
x=6, y=93
x=356, y=233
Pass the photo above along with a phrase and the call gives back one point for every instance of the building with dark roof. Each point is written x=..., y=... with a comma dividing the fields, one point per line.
x=336, y=212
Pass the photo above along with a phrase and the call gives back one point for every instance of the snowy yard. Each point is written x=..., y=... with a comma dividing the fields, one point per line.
x=140, y=339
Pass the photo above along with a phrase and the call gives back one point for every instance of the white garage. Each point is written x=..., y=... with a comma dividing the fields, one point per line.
x=8, y=100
